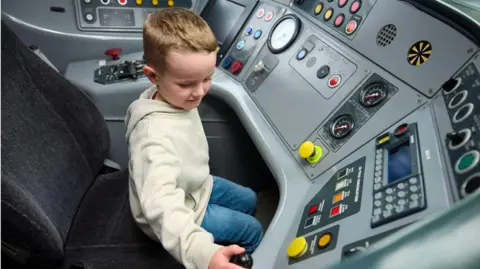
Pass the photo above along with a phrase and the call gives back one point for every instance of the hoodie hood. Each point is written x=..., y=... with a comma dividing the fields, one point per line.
x=145, y=106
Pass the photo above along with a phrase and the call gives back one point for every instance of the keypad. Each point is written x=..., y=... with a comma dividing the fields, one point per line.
x=397, y=200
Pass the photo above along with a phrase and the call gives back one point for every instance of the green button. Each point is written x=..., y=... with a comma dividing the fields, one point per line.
x=466, y=161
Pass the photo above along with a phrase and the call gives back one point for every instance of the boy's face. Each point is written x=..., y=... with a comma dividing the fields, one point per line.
x=186, y=78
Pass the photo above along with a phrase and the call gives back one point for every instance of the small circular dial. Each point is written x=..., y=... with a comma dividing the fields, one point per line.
x=342, y=126
x=373, y=94
x=283, y=33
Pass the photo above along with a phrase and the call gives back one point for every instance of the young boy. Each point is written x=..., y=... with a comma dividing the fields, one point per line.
x=173, y=197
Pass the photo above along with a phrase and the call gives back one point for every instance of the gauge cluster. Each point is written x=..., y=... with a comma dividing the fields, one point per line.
x=356, y=111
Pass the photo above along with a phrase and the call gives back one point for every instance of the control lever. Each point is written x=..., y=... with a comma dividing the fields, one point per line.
x=244, y=260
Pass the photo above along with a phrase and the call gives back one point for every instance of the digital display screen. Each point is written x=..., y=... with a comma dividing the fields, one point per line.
x=222, y=17
x=399, y=162
x=116, y=17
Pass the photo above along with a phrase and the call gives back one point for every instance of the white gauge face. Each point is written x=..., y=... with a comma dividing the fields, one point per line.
x=282, y=34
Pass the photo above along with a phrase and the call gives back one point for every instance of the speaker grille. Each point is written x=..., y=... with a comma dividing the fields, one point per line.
x=311, y=62
x=386, y=35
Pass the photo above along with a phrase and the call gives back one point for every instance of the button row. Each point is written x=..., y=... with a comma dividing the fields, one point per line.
x=298, y=247
x=170, y=3
x=323, y=71
x=268, y=15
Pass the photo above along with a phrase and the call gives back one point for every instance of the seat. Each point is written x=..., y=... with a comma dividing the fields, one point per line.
x=60, y=205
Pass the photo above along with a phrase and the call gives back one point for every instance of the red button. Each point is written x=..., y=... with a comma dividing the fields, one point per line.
x=339, y=20
x=260, y=13
x=342, y=3
x=334, y=81
x=269, y=16
x=401, y=129
x=355, y=7
x=335, y=211
x=351, y=27
x=236, y=67
x=312, y=209
x=122, y=2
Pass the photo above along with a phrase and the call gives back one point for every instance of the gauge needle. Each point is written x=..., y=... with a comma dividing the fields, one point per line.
x=372, y=95
x=342, y=127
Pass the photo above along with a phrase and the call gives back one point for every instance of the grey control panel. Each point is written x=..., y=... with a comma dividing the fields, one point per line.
x=120, y=15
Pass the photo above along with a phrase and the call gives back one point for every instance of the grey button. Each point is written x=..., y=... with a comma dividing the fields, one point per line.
x=401, y=194
x=378, y=168
x=413, y=188
x=378, y=180
x=377, y=203
x=377, y=211
x=377, y=186
x=413, y=180
x=401, y=202
x=414, y=196
x=389, y=199
x=389, y=207
x=378, y=195
x=389, y=191
x=401, y=185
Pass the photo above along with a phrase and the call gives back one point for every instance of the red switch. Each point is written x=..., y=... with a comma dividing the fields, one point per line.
x=312, y=209
x=236, y=67
x=114, y=53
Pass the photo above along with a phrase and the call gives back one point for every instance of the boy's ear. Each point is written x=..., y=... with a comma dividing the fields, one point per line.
x=150, y=74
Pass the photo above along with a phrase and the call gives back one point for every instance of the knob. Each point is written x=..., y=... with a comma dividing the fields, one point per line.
x=310, y=152
x=450, y=85
x=244, y=260
x=456, y=138
x=114, y=53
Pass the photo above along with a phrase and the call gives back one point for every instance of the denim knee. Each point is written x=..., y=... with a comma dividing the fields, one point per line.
x=251, y=200
x=255, y=235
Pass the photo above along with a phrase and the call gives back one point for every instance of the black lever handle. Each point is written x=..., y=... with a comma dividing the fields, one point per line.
x=244, y=260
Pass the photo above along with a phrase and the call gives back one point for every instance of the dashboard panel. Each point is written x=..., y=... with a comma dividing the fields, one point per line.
x=366, y=112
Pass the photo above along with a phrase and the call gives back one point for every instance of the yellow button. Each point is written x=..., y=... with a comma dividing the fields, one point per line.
x=306, y=149
x=318, y=9
x=328, y=14
x=297, y=248
x=170, y=3
x=324, y=240
x=155, y=2
x=139, y=2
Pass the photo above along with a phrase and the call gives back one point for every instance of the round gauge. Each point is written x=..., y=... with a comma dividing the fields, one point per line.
x=342, y=126
x=284, y=32
x=373, y=94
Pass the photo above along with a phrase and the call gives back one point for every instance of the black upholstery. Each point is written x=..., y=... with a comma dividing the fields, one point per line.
x=56, y=205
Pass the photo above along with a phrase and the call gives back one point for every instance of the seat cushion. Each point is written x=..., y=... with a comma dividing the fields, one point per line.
x=104, y=234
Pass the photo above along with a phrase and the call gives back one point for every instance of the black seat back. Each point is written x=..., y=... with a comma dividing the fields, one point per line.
x=54, y=142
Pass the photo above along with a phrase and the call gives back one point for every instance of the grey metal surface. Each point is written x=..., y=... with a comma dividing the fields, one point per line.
x=448, y=46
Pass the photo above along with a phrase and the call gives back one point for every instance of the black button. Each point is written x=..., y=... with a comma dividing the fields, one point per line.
x=323, y=71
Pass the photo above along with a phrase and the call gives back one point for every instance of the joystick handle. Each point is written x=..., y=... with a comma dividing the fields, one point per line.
x=244, y=260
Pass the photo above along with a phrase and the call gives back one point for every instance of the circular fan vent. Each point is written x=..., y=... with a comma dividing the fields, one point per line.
x=311, y=62
x=386, y=35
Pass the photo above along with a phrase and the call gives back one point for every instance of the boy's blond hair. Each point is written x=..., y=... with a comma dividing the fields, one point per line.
x=175, y=29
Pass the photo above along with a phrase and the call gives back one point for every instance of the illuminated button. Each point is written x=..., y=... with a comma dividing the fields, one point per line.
x=334, y=81
x=269, y=16
x=260, y=13
x=155, y=2
x=312, y=153
x=89, y=17
x=139, y=2
x=401, y=129
x=318, y=8
x=301, y=54
x=87, y=1
x=355, y=7
x=249, y=30
x=313, y=209
x=240, y=44
x=351, y=27
x=383, y=139
x=339, y=20
x=467, y=162
x=340, y=185
x=328, y=14
x=335, y=211
x=338, y=197
x=227, y=62
x=122, y=2
x=325, y=240
x=297, y=247
x=342, y=3
x=170, y=3
x=236, y=67
x=257, y=34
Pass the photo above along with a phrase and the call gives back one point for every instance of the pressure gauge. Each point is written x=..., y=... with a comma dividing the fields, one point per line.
x=284, y=32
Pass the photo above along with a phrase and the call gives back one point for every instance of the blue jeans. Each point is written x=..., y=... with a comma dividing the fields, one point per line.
x=230, y=215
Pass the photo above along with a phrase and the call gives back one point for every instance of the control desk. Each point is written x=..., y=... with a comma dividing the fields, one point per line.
x=365, y=111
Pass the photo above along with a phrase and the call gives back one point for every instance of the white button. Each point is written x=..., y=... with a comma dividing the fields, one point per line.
x=389, y=207
x=87, y=1
x=413, y=180
x=389, y=191
x=389, y=199
x=401, y=186
x=378, y=180
x=399, y=209
x=413, y=188
x=377, y=211
x=379, y=152
x=414, y=196
x=401, y=194
x=401, y=201
x=378, y=195
x=378, y=168
x=377, y=186
x=89, y=17
x=378, y=203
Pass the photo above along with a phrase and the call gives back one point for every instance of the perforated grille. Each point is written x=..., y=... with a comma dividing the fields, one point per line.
x=386, y=35
x=311, y=62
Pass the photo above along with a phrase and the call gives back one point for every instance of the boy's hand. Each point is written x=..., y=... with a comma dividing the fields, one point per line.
x=221, y=258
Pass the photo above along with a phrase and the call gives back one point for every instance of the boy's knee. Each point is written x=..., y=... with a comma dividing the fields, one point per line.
x=251, y=201
x=256, y=234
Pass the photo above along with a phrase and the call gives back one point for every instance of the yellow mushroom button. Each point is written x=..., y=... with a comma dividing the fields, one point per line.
x=155, y=2
x=297, y=248
x=171, y=3
x=311, y=152
x=318, y=8
x=139, y=2
x=325, y=240
x=328, y=14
